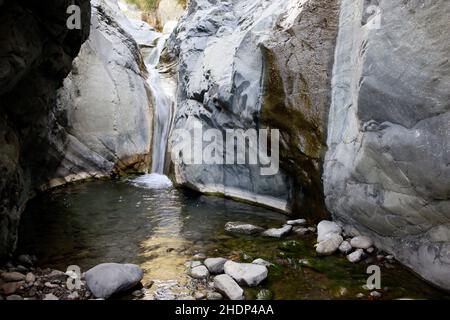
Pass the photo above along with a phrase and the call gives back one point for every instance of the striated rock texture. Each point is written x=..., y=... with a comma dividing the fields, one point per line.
x=387, y=171
x=36, y=53
x=104, y=104
x=252, y=65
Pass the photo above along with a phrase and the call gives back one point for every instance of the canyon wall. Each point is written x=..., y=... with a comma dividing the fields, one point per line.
x=36, y=50
x=256, y=65
x=387, y=171
x=96, y=122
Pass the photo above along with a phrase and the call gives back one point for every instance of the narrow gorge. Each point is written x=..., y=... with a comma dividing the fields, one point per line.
x=233, y=149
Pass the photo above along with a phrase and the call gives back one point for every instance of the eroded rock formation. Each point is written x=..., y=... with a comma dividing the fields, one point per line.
x=36, y=50
x=254, y=65
x=387, y=170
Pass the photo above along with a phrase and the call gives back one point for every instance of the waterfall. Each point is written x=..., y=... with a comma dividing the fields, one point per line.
x=164, y=97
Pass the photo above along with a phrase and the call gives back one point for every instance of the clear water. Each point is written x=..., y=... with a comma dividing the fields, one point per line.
x=162, y=228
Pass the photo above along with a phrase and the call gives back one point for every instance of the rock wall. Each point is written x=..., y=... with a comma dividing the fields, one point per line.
x=254, y=65
x=387, y=171
x=105, y=103
x=36, y=53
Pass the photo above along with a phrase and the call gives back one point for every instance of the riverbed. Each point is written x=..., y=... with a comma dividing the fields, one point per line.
x=160, y=228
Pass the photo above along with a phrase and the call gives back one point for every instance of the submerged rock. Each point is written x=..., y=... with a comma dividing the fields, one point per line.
x=106, y=279
x=246, y=273
x=298, y=222
x=226, y=285
x=215, y=265
x=278, y=233
x=329, y=245
x=242, y=228
x=326, y=227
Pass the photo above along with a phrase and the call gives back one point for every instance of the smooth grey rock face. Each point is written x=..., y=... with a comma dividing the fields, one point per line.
x=387, y=170
x=36, y=53
x=226, y=285
x=242, y=228
x=215, y=265
x=105, y=102
x=278, y=232
x=324, y=228
x=107, y=279
x=329, y=245
x=246, y=273
x=235, y=60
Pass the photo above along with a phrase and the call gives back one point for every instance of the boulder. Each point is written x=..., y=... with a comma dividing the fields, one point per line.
x=361, y=242
x=326, y=227
x=246, y=273
x=278, y=232
x=329, y=245
x=106, y=279
x=242, y=228
x=199, y=272
x=215, y=265
x=356, y=256
x=226, y=285
x=345, y=247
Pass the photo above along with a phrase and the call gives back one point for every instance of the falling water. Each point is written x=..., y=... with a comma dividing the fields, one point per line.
x=163, y=93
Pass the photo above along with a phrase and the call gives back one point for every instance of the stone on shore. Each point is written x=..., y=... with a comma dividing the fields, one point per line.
x=327, y=227
x=50, y=296
x=242, y=228
x=298, y=222
x=329, y=245
x=278, y=233
x=12, y=276
x=106, y=279
x=30, y=278
x=246, y=273
x=356, y=256
x=361, y=242
x=214, y=296
x=199, y=272
x=262, y=262
x=345, y=247
x=226, y=285
x=215, y=265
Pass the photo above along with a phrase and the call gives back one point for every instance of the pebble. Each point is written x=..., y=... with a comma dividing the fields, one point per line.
x=215, y=265
x=298, y=222
x=327, y=227
x=370, y=250
x=301, y=231
x=361, y=242
x=246, y=273
x=50, y=285
x=356, y=256
x=390, y=257
x=329, y=245
x=199, y=256
x=30, y=278
x=278, y=232
x=50, y=296
x=264, y=294
x=199, y=272
x=73, y=296
x=262, y=262
x=9, y=287
x=214, y=296
x=376, y=294
x=345, y=247
x=360, y=295
x=14, y=297
x=225, y=284
x=242, y=228
x=12, y=276
x=199, y=295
